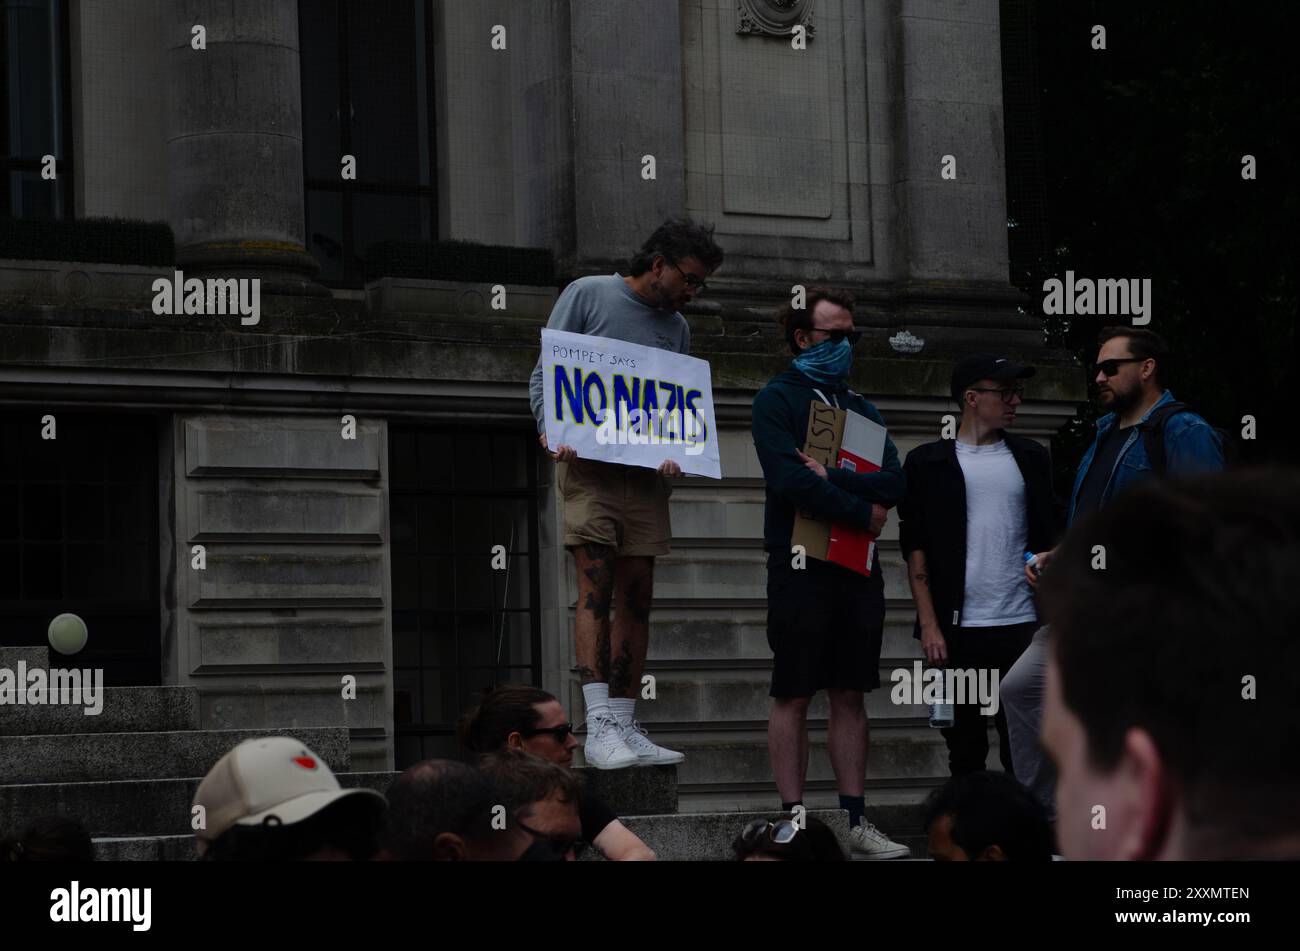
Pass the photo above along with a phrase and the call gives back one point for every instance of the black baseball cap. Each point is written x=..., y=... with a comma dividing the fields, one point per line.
x=985, y=366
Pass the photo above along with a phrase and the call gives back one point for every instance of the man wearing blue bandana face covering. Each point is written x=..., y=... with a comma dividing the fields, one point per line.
x=825, y=623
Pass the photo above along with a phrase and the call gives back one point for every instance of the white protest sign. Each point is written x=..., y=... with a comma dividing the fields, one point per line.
x=625, y=403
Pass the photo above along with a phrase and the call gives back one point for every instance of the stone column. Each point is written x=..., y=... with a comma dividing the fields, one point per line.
x=234, y=142
x=626, y=61
x=951, y=83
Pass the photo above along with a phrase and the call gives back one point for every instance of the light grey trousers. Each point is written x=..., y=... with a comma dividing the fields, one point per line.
x=1021, y=694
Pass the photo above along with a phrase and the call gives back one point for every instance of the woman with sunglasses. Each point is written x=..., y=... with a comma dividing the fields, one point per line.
x=784, y=841
x=520, y=717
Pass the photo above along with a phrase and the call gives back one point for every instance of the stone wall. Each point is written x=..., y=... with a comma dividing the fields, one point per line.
x=293, y=519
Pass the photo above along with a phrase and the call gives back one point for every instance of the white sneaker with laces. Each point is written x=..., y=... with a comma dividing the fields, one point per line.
x=870, y=841
x=605, y=748
x=647, y=752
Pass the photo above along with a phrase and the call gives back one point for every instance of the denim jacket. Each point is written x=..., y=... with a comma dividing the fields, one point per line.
x=1191, y=445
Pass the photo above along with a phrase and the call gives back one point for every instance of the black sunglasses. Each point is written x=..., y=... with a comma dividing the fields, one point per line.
x=1008, y=393
x=558, y=844
x=1109, y=368
x=781, y=832
x=560, y=733
x=837, y=335
x=693, y=282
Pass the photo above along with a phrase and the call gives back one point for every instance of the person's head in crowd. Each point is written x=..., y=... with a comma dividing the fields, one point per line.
x=827, y=314
x=1173, y=686
x=988, y=389
x=783, y=841
x=986, y=817
x=671, y=266
x=274, y=799
x=519, y=717
x=543, y=798
x=49, y=839
x=1128, y=368
x=447, y=811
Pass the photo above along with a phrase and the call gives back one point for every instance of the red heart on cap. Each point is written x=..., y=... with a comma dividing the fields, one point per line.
x=306, y=762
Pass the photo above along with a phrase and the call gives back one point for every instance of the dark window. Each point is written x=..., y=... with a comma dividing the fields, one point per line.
x=367, y=91
x=79, y=534
x=460, y=626
x=34, y=109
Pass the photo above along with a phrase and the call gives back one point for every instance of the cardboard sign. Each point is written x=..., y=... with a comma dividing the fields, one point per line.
x=842, y=439
x=625, y=403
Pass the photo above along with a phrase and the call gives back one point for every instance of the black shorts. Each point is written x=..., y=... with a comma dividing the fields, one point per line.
x=825, y=625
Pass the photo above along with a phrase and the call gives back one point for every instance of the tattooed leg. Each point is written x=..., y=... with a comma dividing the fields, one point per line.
x=633, y=589
x=591, y=617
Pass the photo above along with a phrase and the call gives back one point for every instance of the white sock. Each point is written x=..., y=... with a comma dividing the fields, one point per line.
x=623, y=709
x=596, y=697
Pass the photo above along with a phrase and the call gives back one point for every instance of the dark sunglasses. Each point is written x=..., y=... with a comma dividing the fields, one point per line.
x=1008, y=394
x=837, y=335
x=558, y=844
x=1109, y=368
x=761, y=831
x=560, y=733
x=693, y=282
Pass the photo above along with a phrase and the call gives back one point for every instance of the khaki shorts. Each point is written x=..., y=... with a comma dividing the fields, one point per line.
x=623, y=507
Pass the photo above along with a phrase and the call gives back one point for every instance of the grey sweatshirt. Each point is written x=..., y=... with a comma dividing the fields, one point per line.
x=606, y=307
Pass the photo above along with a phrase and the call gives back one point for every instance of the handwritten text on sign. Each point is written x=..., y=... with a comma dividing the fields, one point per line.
x=626, y=403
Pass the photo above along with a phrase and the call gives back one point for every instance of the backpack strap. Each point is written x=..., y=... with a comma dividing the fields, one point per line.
x=1153, y=433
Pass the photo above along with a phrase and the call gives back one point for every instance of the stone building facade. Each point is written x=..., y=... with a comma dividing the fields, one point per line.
x=525, y=124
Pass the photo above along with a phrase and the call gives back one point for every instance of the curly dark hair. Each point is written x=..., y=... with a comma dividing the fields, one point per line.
x=678, y=239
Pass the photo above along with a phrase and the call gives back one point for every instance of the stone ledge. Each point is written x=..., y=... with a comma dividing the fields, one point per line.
x=405, y=295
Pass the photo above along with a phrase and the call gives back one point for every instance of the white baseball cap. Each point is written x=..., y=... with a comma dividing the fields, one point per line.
x=273, y=776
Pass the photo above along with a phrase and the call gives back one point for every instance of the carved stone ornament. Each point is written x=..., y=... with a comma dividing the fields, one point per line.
x=905, y=342
x=774, y=17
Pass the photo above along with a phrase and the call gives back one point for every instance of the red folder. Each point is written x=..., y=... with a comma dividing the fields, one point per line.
x=861, y=450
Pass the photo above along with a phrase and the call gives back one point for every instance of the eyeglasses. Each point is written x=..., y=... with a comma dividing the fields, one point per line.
x=558, y=844
x=693, y=282
x=1008, y=394
x=837, y=335
x=1109, y=368
x=781, y=832
x=560, y=733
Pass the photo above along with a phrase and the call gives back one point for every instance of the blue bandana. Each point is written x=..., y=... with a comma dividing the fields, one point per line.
x=826, y=363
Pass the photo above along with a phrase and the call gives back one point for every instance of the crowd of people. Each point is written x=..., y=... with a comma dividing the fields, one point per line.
x=1143, y=639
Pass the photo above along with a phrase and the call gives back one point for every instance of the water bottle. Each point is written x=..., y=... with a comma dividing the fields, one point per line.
x=941, y=713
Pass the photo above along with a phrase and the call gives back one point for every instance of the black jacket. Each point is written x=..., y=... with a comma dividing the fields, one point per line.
x=932, y=516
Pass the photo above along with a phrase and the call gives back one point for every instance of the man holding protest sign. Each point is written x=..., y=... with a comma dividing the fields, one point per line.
x=825, y=622
x=616, y=516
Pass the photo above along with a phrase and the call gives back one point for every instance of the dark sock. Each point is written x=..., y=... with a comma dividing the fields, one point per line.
x=856, y=805
x=789, y=806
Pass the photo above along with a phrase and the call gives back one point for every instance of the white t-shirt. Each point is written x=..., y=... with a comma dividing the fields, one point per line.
x=996, y=534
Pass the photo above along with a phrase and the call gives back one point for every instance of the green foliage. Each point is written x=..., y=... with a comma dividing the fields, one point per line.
x=1143, y=146
x=460, y=261
x=92, y=240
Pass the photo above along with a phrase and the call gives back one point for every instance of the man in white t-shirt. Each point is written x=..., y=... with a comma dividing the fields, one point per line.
x=974, y=506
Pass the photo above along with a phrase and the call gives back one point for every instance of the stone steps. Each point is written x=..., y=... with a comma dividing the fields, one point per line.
x=146, y=807
x=31, y=656
x=674, y=837
x=98, y=757
x=125, y=710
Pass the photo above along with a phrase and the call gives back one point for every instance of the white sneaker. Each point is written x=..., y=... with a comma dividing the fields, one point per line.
x=605, y=748
x=873, y=843
x=647, y=752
